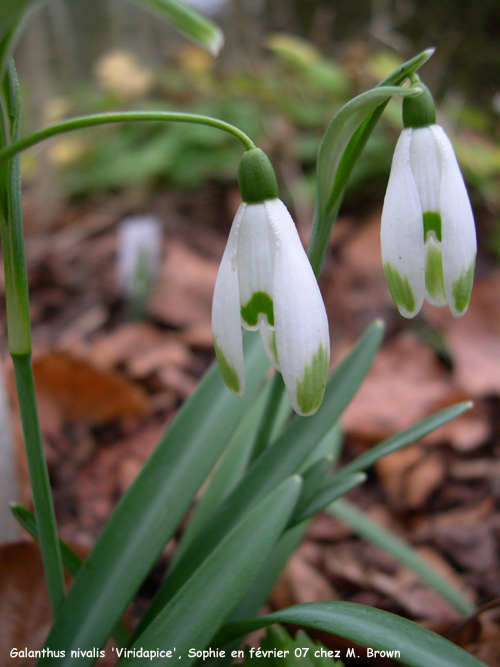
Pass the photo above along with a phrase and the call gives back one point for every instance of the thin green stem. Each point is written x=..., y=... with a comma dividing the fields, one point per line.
x=268, y=415
x=39, y=478
x=121, y=117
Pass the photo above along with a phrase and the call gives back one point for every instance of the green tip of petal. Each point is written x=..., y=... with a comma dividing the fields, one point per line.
x=260, y=303
x=434, y=281
x=400, y=290
x=311, y=388
x=462, y=288
x=228, y=371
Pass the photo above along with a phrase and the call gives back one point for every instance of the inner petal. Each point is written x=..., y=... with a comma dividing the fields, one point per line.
x=255, y=260
x=434, y=281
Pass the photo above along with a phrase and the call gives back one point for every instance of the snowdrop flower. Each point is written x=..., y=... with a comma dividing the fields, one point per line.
x=428, y=236
x=266, y=283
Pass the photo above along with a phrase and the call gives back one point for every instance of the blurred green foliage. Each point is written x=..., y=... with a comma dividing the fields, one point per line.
x=284, y=103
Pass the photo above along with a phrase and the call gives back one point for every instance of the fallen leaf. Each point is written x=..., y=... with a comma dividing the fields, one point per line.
x=85, y=392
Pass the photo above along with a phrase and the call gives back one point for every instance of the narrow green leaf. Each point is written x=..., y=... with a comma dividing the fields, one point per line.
x=312, y=480
x=200, y=607
x=402, y=552
x=189, y=22
x=282, y=458
x=150, y=511
x=374, y=628
x=71, y=561
x=404, y=438
x=13, y=15
x=227, y=474
x=341, y=146
x=332, y=489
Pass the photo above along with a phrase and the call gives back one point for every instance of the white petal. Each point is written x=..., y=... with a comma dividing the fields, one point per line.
x=301, y=324
x=268, y=336
x=426, y=167
x=226, y=320
x=457, y=228
x=255, y=267
x=401, y=234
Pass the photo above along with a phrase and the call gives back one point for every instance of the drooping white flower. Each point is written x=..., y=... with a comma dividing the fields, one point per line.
x=266, y=283
x=428, y=237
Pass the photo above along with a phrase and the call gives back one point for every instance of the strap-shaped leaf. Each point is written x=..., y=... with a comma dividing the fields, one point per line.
x=188, y=21
x=377, y=629
x=13, y=14
x=342, y=144
x=282, y=458
x=404, y=438
x=200, y=607
x=150, y=511
x=403, y=552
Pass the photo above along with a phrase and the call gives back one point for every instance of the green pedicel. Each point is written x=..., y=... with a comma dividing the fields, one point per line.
x=228, y=372
x=310, y=390
x=259, y=303
x=462, y=288
x=400, y=289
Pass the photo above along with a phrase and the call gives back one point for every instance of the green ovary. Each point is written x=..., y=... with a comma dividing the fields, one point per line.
x=462, y=288
x=228, y=371
x=259, y=303
x=434, y=282
x=311, y=388
x=400, y=289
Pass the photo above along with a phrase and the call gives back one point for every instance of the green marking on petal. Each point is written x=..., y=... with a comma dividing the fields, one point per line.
x=432, y=223
x=272, y=345
x=228, y=371
x=400, y=289
x=311, y=388
x=434, y=282
x=259, y=303
x=462, y=288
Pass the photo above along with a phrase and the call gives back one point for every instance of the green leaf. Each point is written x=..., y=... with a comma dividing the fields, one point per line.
x=371, y=627
x=332, y=489
x=342, y=144
x=292, y=653
x=227, y=474
x=13, y=14
x=282, y=458
x=150, y=511
x=402, y=552
x=404, y=438
x=71, y=561
x=200, y=607
x=189, y=22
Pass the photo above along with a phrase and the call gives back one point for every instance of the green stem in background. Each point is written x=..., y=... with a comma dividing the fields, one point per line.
x=19, y=334
x=121, y=117
x=39, y=478
x=268, y=415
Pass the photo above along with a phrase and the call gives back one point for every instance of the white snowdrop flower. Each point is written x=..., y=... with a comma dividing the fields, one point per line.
x=266, y=283
x=138, y=255
x=428, y=237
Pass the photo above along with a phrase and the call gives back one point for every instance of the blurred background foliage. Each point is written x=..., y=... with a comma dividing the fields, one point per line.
x=287, y=67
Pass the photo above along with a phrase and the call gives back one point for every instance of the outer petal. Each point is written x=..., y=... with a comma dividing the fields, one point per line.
x=226, y=320
x=255, y=261
x=401, y=234
x=457, y=228
x=301, y=324
x=426, y=167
